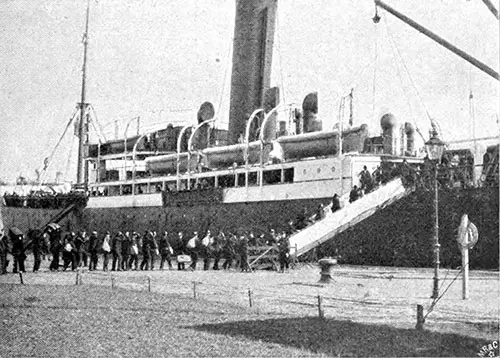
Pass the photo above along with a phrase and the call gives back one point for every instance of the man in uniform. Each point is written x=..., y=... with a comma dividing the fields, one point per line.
x=165, y=251
x=18, y=249
x=93, y=251
x=126, y=243
x=146, y=252
x=37, y=245
x=116, y=250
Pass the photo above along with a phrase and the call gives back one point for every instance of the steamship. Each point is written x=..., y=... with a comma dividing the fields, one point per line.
x=273, y=162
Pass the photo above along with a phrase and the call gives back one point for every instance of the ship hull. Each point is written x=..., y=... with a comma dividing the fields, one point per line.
x=400, y=235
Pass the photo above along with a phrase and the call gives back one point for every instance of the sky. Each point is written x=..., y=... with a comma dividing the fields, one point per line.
x=161, y=59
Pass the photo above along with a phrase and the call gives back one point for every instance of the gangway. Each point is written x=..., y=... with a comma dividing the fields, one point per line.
x=61, y=214
x=351, y=214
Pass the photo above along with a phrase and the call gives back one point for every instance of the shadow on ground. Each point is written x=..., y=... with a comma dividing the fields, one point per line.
x=346, y=338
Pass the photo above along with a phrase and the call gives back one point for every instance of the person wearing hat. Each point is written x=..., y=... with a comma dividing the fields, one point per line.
x=18, y=249
x=146, y=250
x=116, y=250
x=192, y=246
x=165, y=251
x=93, y=251
x=106, y=248
x=126, y=242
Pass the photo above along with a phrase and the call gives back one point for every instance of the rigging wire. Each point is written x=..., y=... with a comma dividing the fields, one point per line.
x=98, y=123
x=228, y=64
x=410, y=77
x=398, y=71
x=49, y=158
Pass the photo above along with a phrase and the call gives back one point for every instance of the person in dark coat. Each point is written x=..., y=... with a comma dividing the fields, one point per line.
x=3, y=253
x=216, y=249
x=335, y=203
x=146, y=250
x=18, y=251
x=284, y=252
x=93, y=251
x=228, y=253
x=153, y=250
x=133, y=263
x=116, y=250
x=245, y=267
x=81, y=243
x=69, y=252
x=354, y=194
x=55, y=247
x=126, y=242
x=166, y=251
x=37, y=246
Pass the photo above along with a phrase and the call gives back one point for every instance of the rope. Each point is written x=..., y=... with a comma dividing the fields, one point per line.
x=436, y=300
x=98, y=123
x=225, y=76
x=398, y=70
x=409, y=76
x=49, y=158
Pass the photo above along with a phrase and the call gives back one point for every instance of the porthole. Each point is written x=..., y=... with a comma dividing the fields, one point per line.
x=333, y=169
x=318, y=170
x=304, y=171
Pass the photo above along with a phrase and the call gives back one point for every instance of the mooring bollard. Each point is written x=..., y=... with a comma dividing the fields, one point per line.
x=112, y=283
x=77, y=279
x=194, y=289
x=149, y=284
x=420, y=318
x=250, y=297
x=21, y=277
x=321, y=313
x=326, y=265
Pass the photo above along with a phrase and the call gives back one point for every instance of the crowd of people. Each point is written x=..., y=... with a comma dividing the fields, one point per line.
x=124, y=251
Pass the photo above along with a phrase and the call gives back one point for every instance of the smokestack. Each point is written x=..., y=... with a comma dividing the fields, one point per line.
x=252, y=58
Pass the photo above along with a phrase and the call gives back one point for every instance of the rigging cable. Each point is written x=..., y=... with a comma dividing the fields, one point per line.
x=228, y=63
x=398, y=71
x=98, y=123
x=49, y=158
x=411, y=79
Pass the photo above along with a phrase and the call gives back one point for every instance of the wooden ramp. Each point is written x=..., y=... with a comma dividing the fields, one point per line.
x=334, y=223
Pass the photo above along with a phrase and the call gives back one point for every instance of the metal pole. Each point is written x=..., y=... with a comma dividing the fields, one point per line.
x=483, y=67
x=435, y=290
x=465, y=278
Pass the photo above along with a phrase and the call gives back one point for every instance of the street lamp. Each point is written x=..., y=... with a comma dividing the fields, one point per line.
x=435, y=149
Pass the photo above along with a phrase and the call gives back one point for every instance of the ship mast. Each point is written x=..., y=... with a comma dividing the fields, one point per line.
x=82, y=171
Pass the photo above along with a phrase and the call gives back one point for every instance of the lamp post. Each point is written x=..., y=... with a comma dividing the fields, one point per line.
x=435, y=148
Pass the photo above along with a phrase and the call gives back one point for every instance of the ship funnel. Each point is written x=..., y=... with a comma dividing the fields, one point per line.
x=252, y=60
x=311, y=123
x=410, y=140
x=389, y=136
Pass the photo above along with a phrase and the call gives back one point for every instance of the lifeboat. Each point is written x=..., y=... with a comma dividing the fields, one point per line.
x=223, y=157
x=167, y=164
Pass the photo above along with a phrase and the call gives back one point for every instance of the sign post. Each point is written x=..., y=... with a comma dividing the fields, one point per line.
x=467, y=238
